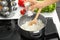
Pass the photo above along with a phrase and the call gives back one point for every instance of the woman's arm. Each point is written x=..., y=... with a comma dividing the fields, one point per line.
x=41, y=4
x=49, y=2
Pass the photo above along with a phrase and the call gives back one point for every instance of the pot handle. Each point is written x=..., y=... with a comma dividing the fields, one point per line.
x=36, y=35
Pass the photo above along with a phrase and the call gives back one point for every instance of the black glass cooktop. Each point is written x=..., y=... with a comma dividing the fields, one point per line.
x=49, y=32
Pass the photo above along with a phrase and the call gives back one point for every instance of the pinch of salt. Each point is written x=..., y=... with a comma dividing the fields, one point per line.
x=29, y=13
x=27, y=4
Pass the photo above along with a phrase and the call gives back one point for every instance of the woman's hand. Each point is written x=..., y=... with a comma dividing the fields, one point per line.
x=40, y=4
x=35, y=4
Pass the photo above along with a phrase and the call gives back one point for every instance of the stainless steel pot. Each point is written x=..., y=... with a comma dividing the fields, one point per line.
x=31, y=34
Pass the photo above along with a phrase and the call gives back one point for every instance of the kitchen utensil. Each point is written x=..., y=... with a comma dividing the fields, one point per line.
x=34, y=21
x=4, y=9
x=6, y=14
x=14, y=8
x=12, y=0
x=8, y=8
x=4, y=3
x=13, y=4
x=31, y=34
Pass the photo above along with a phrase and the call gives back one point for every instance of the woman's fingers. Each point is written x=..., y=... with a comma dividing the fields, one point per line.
x=32, y=7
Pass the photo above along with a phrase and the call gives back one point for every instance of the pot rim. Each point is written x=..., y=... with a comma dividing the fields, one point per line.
x=32, y=31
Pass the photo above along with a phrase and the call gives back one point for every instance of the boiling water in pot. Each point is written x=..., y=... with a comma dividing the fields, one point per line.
x=34, y=27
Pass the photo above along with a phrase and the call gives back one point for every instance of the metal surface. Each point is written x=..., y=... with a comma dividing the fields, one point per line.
x=5, y=9
x=8, y=8
x=4, y=3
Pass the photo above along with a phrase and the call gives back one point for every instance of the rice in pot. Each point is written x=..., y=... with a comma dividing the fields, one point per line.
x=34, y=27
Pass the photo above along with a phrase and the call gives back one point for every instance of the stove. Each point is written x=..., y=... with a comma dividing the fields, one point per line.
x=49, y=32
